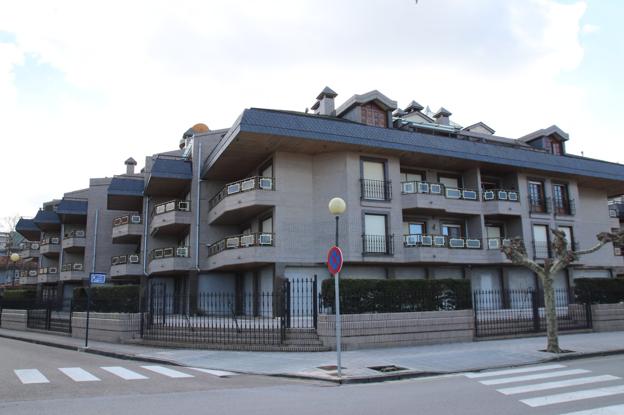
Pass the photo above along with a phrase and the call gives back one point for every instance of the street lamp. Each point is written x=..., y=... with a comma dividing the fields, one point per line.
x=14, y=258
x=337, y=206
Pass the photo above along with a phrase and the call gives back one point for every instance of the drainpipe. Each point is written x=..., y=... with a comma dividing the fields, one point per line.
x=197, y=204
x=97, y=220
x=60, y=295
x=145, y=214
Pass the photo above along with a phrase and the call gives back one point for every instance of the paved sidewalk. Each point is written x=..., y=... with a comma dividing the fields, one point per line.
x=417, y=360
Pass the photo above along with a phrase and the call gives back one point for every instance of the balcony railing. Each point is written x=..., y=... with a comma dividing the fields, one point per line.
x=376, y=189
x=245, y=185
x=126, y=259
x=505, y=195
x=53, y=240
x=32, y=246
x=170, y=252
x=441, y=241
x=242, y=241
x=540, y=205
x=616, y=209
x=76, y=266
x=541, y=250
x=48, y=270
x=564, y=207
x=171, y=206
x=127, y=219
x=439, y=189
x=378, y=244
x=497, y=243
x=28, y=273
x=76, y=233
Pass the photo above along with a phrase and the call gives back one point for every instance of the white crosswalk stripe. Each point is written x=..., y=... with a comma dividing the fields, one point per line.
x=29, y=376
x=573, y=396
x=513, y=371
x=167, y=372
x=78, y=374
x=554, y=385
x=605, y=410
x=122, y=372
x=219, y=373
x=536, y=376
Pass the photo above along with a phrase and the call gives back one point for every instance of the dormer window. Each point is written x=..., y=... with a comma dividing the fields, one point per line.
x=555, y=147
x=373, y=115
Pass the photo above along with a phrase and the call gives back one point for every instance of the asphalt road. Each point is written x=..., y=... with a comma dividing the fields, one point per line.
x=77, y=383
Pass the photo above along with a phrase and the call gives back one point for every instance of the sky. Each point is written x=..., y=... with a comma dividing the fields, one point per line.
x=85, y=85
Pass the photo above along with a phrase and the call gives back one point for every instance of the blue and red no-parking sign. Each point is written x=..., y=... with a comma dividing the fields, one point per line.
x=334, y=260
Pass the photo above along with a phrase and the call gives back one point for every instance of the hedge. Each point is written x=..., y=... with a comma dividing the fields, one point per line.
x=599, y=290
x=392, y=296
x=109, y=299
x=18, y=299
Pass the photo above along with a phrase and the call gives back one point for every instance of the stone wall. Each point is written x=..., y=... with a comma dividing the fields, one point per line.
x=13, y=319
x=398, y=329
x=108, y=327
x=608, y=317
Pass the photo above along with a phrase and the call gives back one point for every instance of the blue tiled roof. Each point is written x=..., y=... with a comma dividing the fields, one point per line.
x=172, y=169
x=26, y=225
x=319, y=128
x=125, y=187
x=45, y=217
x=72, y=207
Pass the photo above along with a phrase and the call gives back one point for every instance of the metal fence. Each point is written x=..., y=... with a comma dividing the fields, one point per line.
x=50, y=314
x=514, y=312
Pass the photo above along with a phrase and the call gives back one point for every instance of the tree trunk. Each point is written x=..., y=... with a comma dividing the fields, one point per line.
x=551, y=315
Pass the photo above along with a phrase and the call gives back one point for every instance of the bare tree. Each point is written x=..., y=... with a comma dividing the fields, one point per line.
x=562, y=257
x=8, y=224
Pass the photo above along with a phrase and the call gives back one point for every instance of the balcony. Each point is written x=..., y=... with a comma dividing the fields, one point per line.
x=564, y=207
x=29, y=277
x=48, y=275
x=425, y=195
x=439, y=248
x=127, y=229
x=171, y=218
x=170, y=260
x=543, y=250
x=540, y=205
x=377, y=245
x=29, y=250
x=501, y=201
x=376, y=190
x=241, y=200
x=242, y=250
x=126, y=266
x=73, y=272
x=75, y=241
x=50, y=247
x=616, y=210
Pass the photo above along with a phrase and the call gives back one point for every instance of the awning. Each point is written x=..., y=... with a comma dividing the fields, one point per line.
x=47, y=221
x=72, y=210
x=125, y=194
x=28, y=229
x=169, y=177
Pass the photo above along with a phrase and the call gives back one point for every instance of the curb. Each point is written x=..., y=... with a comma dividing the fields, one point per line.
x=342, y=381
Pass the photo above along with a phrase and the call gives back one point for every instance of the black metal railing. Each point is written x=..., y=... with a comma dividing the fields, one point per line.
x=540, y=205
x=376, y=189
x=441, y=241
x=134, y=219
x=126, y=259
x=170, y=252
x=516, y=312
x=541, y=250
x=242, y=241
x=76, y=233
x=564, y=207
x=497, y=243
x=506, y=195
x=616, y=209
x=29, y=246
x=171, y=206
x=75, y=266
x=49, y=314
x=51, y=240
x=378, y=244
x=240, y=186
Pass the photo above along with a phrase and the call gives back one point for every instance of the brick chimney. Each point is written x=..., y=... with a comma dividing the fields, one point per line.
x=442, y=116
x=324, y=104
x=130, y=163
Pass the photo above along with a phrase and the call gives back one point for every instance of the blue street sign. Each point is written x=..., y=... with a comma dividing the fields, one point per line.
x=97, y=278
x=334, y=260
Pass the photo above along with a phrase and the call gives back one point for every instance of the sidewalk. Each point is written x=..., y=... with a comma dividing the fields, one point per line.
x=417, y=360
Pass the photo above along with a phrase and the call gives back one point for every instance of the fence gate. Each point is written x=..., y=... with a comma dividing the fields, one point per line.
x=50, y=315
x=516, y=312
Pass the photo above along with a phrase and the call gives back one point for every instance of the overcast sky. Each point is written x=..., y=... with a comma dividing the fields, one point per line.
x=85, y=85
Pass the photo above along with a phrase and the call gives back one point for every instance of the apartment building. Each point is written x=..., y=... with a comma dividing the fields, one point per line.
x=237, y=210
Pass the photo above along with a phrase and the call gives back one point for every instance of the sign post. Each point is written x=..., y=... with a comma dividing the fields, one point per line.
x=94, y=278
x=334, y=265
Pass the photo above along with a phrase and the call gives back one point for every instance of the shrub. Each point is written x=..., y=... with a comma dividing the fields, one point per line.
x=109, y=299
x=599, y=290
x=392, y=296
x=18, y=299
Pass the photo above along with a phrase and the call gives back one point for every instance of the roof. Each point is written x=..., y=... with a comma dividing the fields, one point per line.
x=545, y=132
x=442, y=112
x=314, y=128
x=414, y=106
x=327, y=92
x=28, y=229
x=173, y=168
x=482, y=125
x=72, y=207
x=383, y=101
x=123, y=186
x=46, y=217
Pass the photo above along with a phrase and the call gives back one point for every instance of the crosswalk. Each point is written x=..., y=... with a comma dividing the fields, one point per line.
x=78, y=374
x=532, y=380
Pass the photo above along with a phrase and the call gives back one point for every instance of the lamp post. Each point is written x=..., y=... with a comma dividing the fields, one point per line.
x=337, y=206
x=14, y=258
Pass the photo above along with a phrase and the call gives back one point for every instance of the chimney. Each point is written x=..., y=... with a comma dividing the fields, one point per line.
x=442, y=116
x=325, y=102
x=130, y=163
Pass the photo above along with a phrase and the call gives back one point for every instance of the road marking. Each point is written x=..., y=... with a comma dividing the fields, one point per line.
x=555, y=385
x=78, y=375
x=28, y=376
x=534, y=377
x=219, y=373
x=167, y=372
x=606, y=410
x=123, y=373
x=573, y=396
x=513, y=371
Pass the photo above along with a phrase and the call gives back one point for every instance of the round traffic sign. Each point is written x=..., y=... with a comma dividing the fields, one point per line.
x=334, y=260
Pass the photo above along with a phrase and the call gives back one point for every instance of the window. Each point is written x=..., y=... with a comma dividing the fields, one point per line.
x=490, y=184
x=537, y=201
x=452, y=230
x=266, y=225
x=411, y=177
x=414, y=228
x=373, y=115
x=494, y=231
x=561, y=199
x=267, y=171
x=569, y=236
x=374, y=184
x=540, y=241
x=449, y=181
x=555, y=147
x=375, y=238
